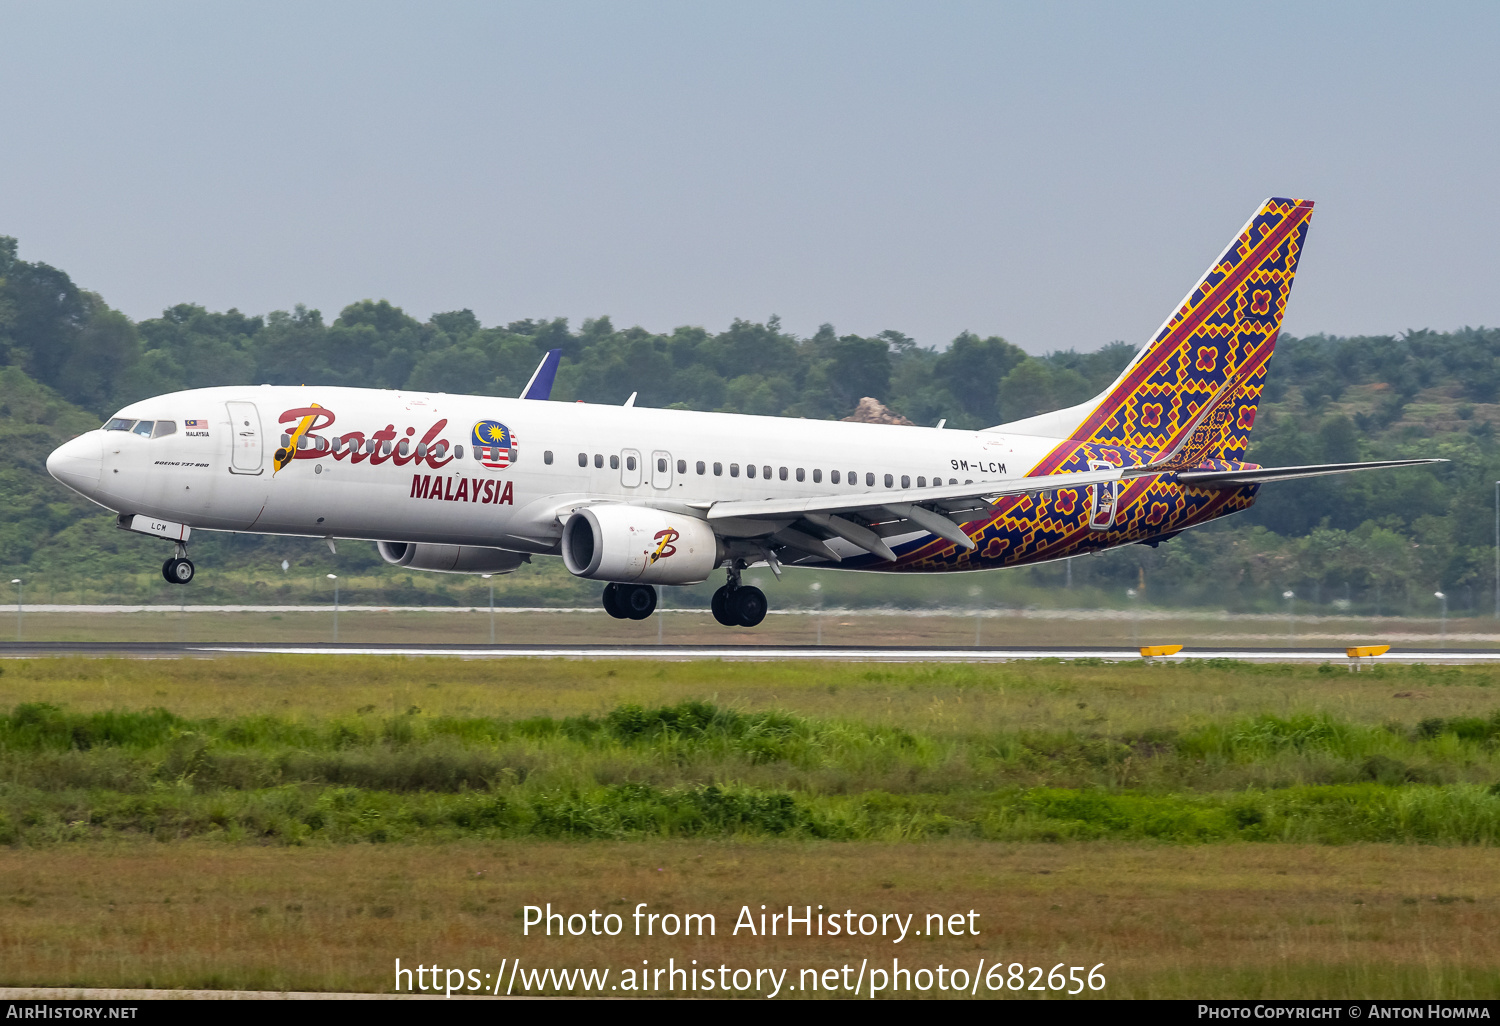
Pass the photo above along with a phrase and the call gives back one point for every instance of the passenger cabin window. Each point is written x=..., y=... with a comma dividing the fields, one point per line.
x=614, y=462
x=818, y=477
x=458, y=452
x=890, y=482
x=905, y=481
x=164, y=427
x=833, y=476
x=734, y=469
x=599, y=460
x=854, y=479
x=546, y=457
x=767, y=471
x=718, y=470
x=143, y=428
x=782, y=474
x=119, y=424
x=801, y=474
x=749, y=470
x=700, y=468
x=682, y=467
x=583, y=459
x=921, y=482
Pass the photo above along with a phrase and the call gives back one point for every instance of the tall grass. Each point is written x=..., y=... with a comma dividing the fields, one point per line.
x=695, y=768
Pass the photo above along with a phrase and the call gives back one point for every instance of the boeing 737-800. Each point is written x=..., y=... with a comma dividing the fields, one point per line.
x=636, y=497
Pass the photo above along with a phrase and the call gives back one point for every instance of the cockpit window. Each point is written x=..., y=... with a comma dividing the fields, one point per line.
x=164, y=427
x=119, y=424
x=143, y=428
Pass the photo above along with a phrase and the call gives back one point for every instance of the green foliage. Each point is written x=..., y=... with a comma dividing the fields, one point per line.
x=1383, y=541
x=696, y=769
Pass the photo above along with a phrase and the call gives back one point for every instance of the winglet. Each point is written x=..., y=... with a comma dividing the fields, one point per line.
x=540, y=385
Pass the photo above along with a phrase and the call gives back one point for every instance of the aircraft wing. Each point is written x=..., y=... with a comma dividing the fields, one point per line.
x=865, y=518
x=1264, y=475
x=540, y=385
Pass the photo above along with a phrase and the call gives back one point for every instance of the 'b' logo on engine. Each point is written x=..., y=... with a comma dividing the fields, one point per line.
x=665, y=547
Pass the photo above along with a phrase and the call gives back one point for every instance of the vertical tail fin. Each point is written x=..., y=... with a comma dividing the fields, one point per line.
x=1192, y=392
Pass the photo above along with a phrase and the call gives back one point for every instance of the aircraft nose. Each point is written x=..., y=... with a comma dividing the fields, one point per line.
x=78, y=463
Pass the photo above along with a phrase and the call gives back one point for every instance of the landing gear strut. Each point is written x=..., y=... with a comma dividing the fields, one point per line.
x=738, y=605
x=178, y=569
x=629, y=601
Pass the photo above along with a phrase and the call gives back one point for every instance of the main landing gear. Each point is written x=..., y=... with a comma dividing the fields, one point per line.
x=739, y=605
x=178, y=569
x=734, y=605
x=629, y=601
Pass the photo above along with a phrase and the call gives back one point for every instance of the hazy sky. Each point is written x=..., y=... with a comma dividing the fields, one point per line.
x=1058, y=174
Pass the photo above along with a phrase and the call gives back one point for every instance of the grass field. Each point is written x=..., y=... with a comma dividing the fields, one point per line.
x=1167, y=921
x=696, y=627
x=1206, y=829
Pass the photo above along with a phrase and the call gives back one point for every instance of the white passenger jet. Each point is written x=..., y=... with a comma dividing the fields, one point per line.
x=639, y=497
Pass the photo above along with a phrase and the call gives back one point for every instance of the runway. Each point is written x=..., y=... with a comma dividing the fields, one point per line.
x=735, y=653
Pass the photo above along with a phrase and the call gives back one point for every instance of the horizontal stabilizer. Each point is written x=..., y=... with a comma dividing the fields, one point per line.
x=1264, y=475
x=540, y=385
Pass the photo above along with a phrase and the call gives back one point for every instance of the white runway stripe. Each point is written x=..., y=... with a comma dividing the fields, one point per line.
x=751, y=653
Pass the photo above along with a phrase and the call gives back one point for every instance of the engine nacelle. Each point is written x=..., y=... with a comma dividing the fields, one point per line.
x=639, y=545
x=450, y=559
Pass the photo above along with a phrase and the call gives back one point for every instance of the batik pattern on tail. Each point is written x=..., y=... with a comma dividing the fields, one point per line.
x=1189, y=399
x=1225, y=330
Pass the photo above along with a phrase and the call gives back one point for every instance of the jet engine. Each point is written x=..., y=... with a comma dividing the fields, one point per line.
x=639, y=545
x=451, y=559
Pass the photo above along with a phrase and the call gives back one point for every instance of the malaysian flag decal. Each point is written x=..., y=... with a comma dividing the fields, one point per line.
x=494, y=444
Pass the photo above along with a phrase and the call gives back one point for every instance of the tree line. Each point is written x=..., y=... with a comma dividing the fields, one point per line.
x=1327, y=399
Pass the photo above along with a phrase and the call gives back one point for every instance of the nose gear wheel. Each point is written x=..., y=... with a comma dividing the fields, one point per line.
x=177, y=570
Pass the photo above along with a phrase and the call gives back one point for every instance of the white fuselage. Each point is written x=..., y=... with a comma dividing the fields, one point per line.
x=215, y=470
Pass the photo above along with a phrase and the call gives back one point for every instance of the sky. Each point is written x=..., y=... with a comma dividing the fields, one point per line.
x=1058, y=174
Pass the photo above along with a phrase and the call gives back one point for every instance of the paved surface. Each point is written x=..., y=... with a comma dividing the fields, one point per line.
x=866, y=653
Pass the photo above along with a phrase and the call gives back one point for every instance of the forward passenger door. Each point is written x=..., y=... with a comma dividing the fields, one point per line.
x=244, y=437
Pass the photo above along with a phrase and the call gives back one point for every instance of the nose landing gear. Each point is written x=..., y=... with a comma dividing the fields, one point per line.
x=178, y=569
x=739, y=605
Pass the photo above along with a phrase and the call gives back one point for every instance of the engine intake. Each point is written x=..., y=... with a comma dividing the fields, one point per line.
x=450, y=559
x=639, y=545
